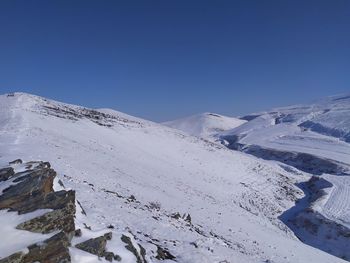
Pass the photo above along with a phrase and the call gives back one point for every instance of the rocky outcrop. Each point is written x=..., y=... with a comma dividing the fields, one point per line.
x=28, y=187
x=32, y=190
x=97, y=246
x=60, y=219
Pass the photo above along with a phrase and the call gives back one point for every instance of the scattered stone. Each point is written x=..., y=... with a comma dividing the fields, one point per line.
x=108, y=235
x=117, y=258
x=86, y=226
x=17, y=161
x=187, y=218
x=109, y=256
x=110, y=226
x=61, y=183
x=82, y=209
x=175, y=215
x=78, y=233
x=131, y=198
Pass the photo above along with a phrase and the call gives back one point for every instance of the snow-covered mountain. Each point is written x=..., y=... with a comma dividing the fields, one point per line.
x=200, y=201
x=321, y=129
x=205, y=125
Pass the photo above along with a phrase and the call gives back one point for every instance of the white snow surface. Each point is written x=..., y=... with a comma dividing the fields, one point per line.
x=234, y=199
x=321, y=129
x=205, y=125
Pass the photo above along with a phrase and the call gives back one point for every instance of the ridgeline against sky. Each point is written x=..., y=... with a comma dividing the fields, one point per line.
x=165, y=59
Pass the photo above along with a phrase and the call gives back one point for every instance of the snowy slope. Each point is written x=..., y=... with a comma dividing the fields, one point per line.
x=322, y=131
x=321, y=128
x=136, y=174
x=205, y=125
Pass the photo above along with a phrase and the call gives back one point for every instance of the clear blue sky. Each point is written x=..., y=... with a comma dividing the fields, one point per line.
x=166, y=59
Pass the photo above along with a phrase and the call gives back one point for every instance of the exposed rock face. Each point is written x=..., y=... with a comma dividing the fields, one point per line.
x=60, y=219
x=35, y=184
x=31, y=190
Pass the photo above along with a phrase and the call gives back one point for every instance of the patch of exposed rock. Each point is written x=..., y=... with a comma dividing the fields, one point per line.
x=28, y=187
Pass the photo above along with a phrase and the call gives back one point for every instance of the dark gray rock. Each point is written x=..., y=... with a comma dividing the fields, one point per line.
x=17, y=161
x=109, y=256
x=163, y=254
x=78, y=233
x=117, y=258
x=37, y=183
x=53, y=200
x=140, y=257
x=96, y=246
x=6, y=173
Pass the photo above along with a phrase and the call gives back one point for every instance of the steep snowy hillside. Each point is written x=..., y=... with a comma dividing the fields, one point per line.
x=205, y=125
x=197, y=200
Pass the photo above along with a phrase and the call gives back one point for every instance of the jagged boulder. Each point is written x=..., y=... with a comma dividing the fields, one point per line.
x=17, y=161
x=97, y=246
x=35, y=184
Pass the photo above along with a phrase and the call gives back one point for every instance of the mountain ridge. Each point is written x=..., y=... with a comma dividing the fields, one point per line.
x=138, y=176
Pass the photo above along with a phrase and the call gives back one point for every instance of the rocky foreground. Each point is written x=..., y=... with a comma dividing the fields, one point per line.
x=28, y=189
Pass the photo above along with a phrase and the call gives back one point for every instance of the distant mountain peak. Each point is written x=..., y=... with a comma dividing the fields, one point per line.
x=205, y=125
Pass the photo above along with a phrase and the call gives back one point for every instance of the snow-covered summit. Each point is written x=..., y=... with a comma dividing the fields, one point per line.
x=205, y=125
